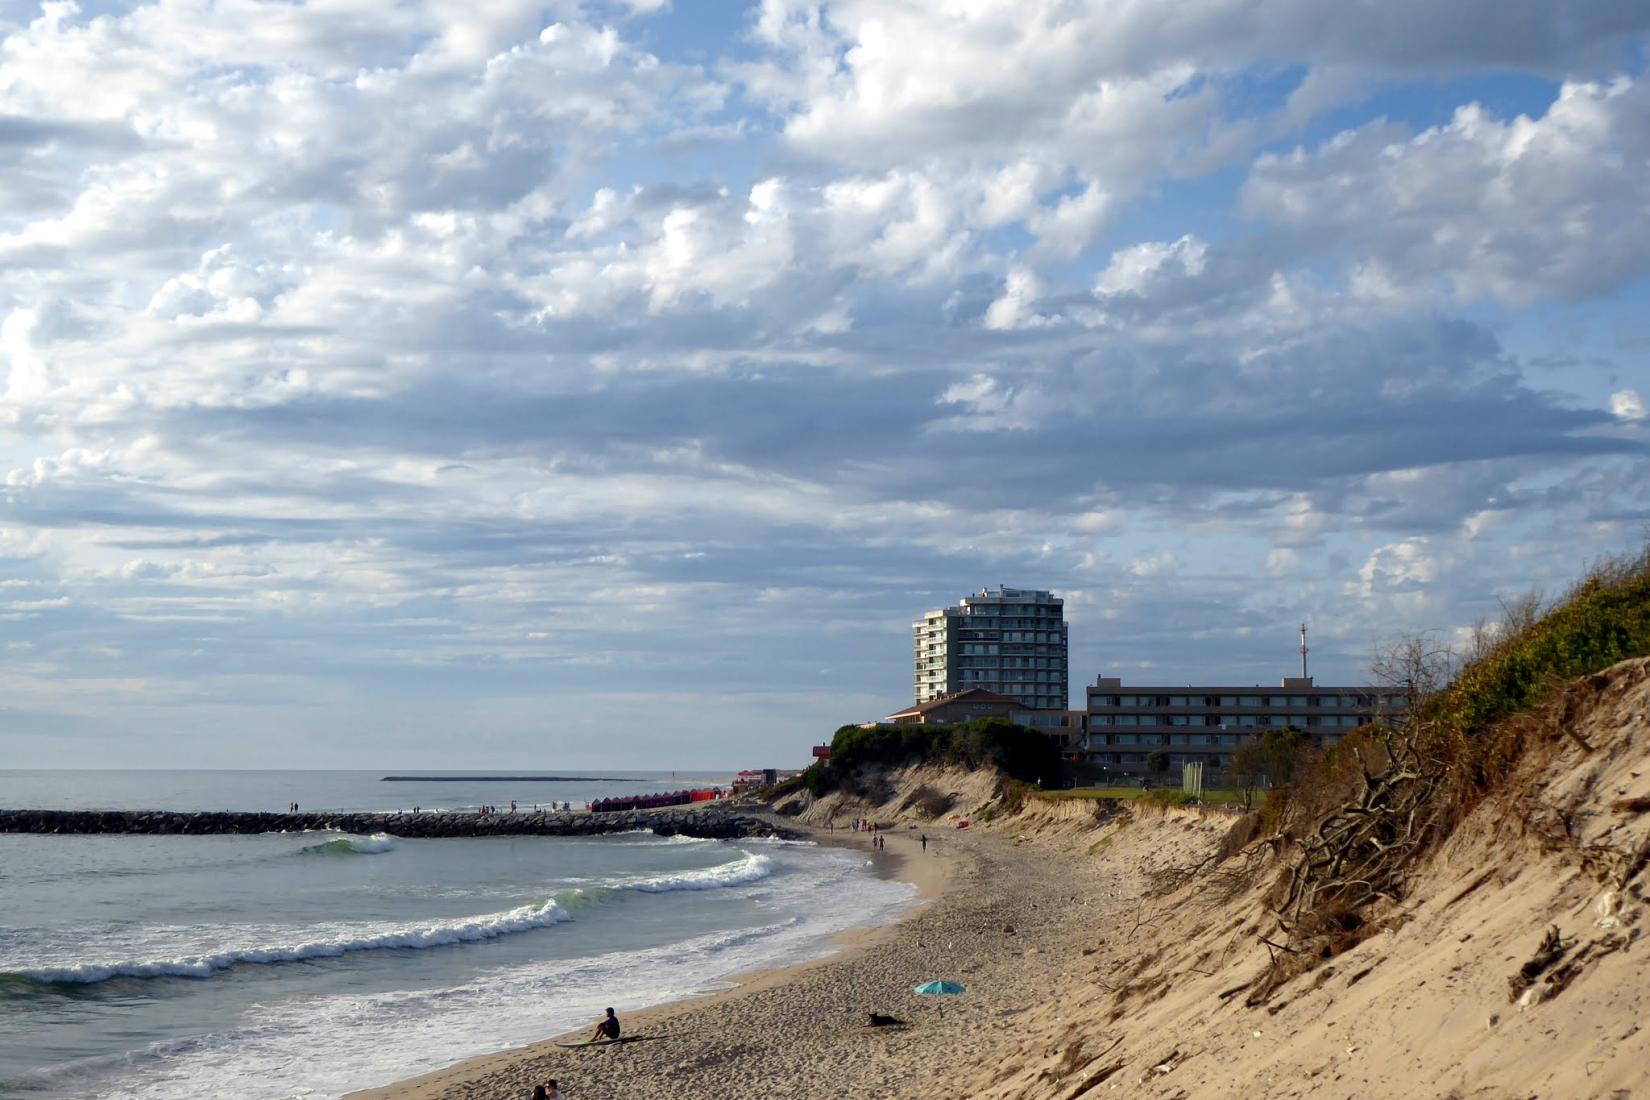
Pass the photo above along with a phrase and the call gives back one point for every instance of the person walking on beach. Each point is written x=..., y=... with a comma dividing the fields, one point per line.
x=924, y=839
x=608, y=1029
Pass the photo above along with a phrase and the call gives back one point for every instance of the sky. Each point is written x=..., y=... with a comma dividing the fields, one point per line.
x=606, y=384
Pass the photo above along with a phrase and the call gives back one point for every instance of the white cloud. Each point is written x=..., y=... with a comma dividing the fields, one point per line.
x=1155, y=565
x=1017, y=307
x=1135, y=269
x=1283, y=562
x=1406, y=568
x=1627, y=405
x=1519, y=210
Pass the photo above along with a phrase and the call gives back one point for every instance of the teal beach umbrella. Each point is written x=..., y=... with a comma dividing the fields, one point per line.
x=939, y=989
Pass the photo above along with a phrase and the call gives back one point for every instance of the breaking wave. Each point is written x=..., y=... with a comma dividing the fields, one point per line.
x=749, y=868
x=417, y=937
x=352, y=846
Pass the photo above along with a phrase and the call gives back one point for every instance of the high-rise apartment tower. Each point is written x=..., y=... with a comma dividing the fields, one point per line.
x=1008, y=640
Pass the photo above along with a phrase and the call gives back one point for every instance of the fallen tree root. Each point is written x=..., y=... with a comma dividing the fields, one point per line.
x=1550, y=951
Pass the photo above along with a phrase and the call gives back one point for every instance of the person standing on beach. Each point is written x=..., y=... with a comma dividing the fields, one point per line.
x=925, y=842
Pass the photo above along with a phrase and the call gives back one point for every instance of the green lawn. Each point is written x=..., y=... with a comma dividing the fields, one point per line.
x=1094, y=792
x=1210, y=798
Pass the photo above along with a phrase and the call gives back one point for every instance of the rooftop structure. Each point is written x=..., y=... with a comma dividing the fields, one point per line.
x=958, y=706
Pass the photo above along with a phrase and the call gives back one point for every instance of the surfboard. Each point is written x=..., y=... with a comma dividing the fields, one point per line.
x=603, y=1042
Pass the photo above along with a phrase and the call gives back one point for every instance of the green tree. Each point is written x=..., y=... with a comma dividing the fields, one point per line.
x=1273, y=758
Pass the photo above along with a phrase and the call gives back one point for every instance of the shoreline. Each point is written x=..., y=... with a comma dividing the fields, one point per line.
x=513, y=1072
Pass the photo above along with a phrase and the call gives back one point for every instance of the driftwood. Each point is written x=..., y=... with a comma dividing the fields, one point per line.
x=1360, y=853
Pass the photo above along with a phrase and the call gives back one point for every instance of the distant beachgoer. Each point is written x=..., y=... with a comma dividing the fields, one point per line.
x=924, y=842
x=607, y=1029
x=512, y=805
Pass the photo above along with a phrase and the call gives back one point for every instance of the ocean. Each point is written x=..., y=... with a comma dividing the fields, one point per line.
x=312, y=964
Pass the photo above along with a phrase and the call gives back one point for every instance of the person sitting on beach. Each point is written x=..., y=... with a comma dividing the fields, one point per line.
x=551, y=1091
x=539, y=1093
x=607, y=1029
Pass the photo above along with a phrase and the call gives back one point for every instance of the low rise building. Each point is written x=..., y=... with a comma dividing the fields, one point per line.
x=1063, y=727
x=958, y=706
x=1207, y=725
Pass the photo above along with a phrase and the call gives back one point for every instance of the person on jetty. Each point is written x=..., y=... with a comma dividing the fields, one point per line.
x=607, y=1029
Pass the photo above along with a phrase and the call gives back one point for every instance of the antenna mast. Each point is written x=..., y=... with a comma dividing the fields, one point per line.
x=1303, y=651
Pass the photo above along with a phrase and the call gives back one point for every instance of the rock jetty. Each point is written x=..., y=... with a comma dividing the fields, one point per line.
x=711, y=822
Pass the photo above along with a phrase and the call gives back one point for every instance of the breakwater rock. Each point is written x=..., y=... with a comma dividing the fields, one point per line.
x=710, y=822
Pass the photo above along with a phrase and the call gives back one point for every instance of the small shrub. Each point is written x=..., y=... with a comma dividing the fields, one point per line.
x=987, y=742
x=1014, y=796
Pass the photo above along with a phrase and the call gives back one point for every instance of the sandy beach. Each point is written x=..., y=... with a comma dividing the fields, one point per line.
x=1109, y=948
x=997, y=916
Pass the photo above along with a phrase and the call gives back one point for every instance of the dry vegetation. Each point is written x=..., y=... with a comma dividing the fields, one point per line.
x=1357, y=822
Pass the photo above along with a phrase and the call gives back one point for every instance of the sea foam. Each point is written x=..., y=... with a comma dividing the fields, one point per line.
x=440, y=934
x=749, y=868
